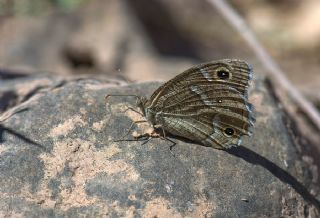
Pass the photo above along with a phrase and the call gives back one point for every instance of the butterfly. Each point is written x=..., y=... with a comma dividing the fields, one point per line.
x=207, y=103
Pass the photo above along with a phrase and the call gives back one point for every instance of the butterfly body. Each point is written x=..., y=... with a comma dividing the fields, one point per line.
x=207, y=103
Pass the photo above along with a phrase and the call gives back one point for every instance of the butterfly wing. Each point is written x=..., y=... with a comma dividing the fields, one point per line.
x=207, y=103
x=239, y=71
x=201, y=130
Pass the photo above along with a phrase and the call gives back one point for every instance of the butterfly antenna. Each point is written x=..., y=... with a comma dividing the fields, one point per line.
x=107, y=96
x=129, y=108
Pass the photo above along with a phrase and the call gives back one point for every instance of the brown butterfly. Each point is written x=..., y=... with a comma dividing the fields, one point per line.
x=207, y=103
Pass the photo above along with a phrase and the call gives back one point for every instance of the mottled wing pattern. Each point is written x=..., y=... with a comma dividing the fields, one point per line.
x=207, y=103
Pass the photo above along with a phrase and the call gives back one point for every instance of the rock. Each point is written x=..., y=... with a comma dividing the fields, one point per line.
x=58, y=158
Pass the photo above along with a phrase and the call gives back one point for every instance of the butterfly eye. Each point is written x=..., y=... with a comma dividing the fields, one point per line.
x=223, y=74
x=229, y=131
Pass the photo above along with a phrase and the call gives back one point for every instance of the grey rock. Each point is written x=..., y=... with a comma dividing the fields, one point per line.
x=58, y=158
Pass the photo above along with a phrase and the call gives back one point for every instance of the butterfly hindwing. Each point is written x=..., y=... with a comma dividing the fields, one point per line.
x=202, y=130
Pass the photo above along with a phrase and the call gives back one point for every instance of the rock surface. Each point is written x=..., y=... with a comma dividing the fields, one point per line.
x=58, y=158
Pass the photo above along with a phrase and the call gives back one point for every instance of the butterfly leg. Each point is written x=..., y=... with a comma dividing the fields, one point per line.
x=130, y=108
x=164, y=137
x=144, y=137
x=173, y=144
x=131, y=126
x=147, y=140
x=135, y=140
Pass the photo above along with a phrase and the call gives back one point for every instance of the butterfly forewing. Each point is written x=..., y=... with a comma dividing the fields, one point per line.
x=207, y=103
x=207, y=73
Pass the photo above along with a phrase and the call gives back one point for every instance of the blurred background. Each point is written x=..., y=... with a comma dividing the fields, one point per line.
x=144, y=40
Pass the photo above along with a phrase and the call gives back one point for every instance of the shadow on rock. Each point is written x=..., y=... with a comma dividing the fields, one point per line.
x=254, y=158
x=19, y=135
x=15, y=133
